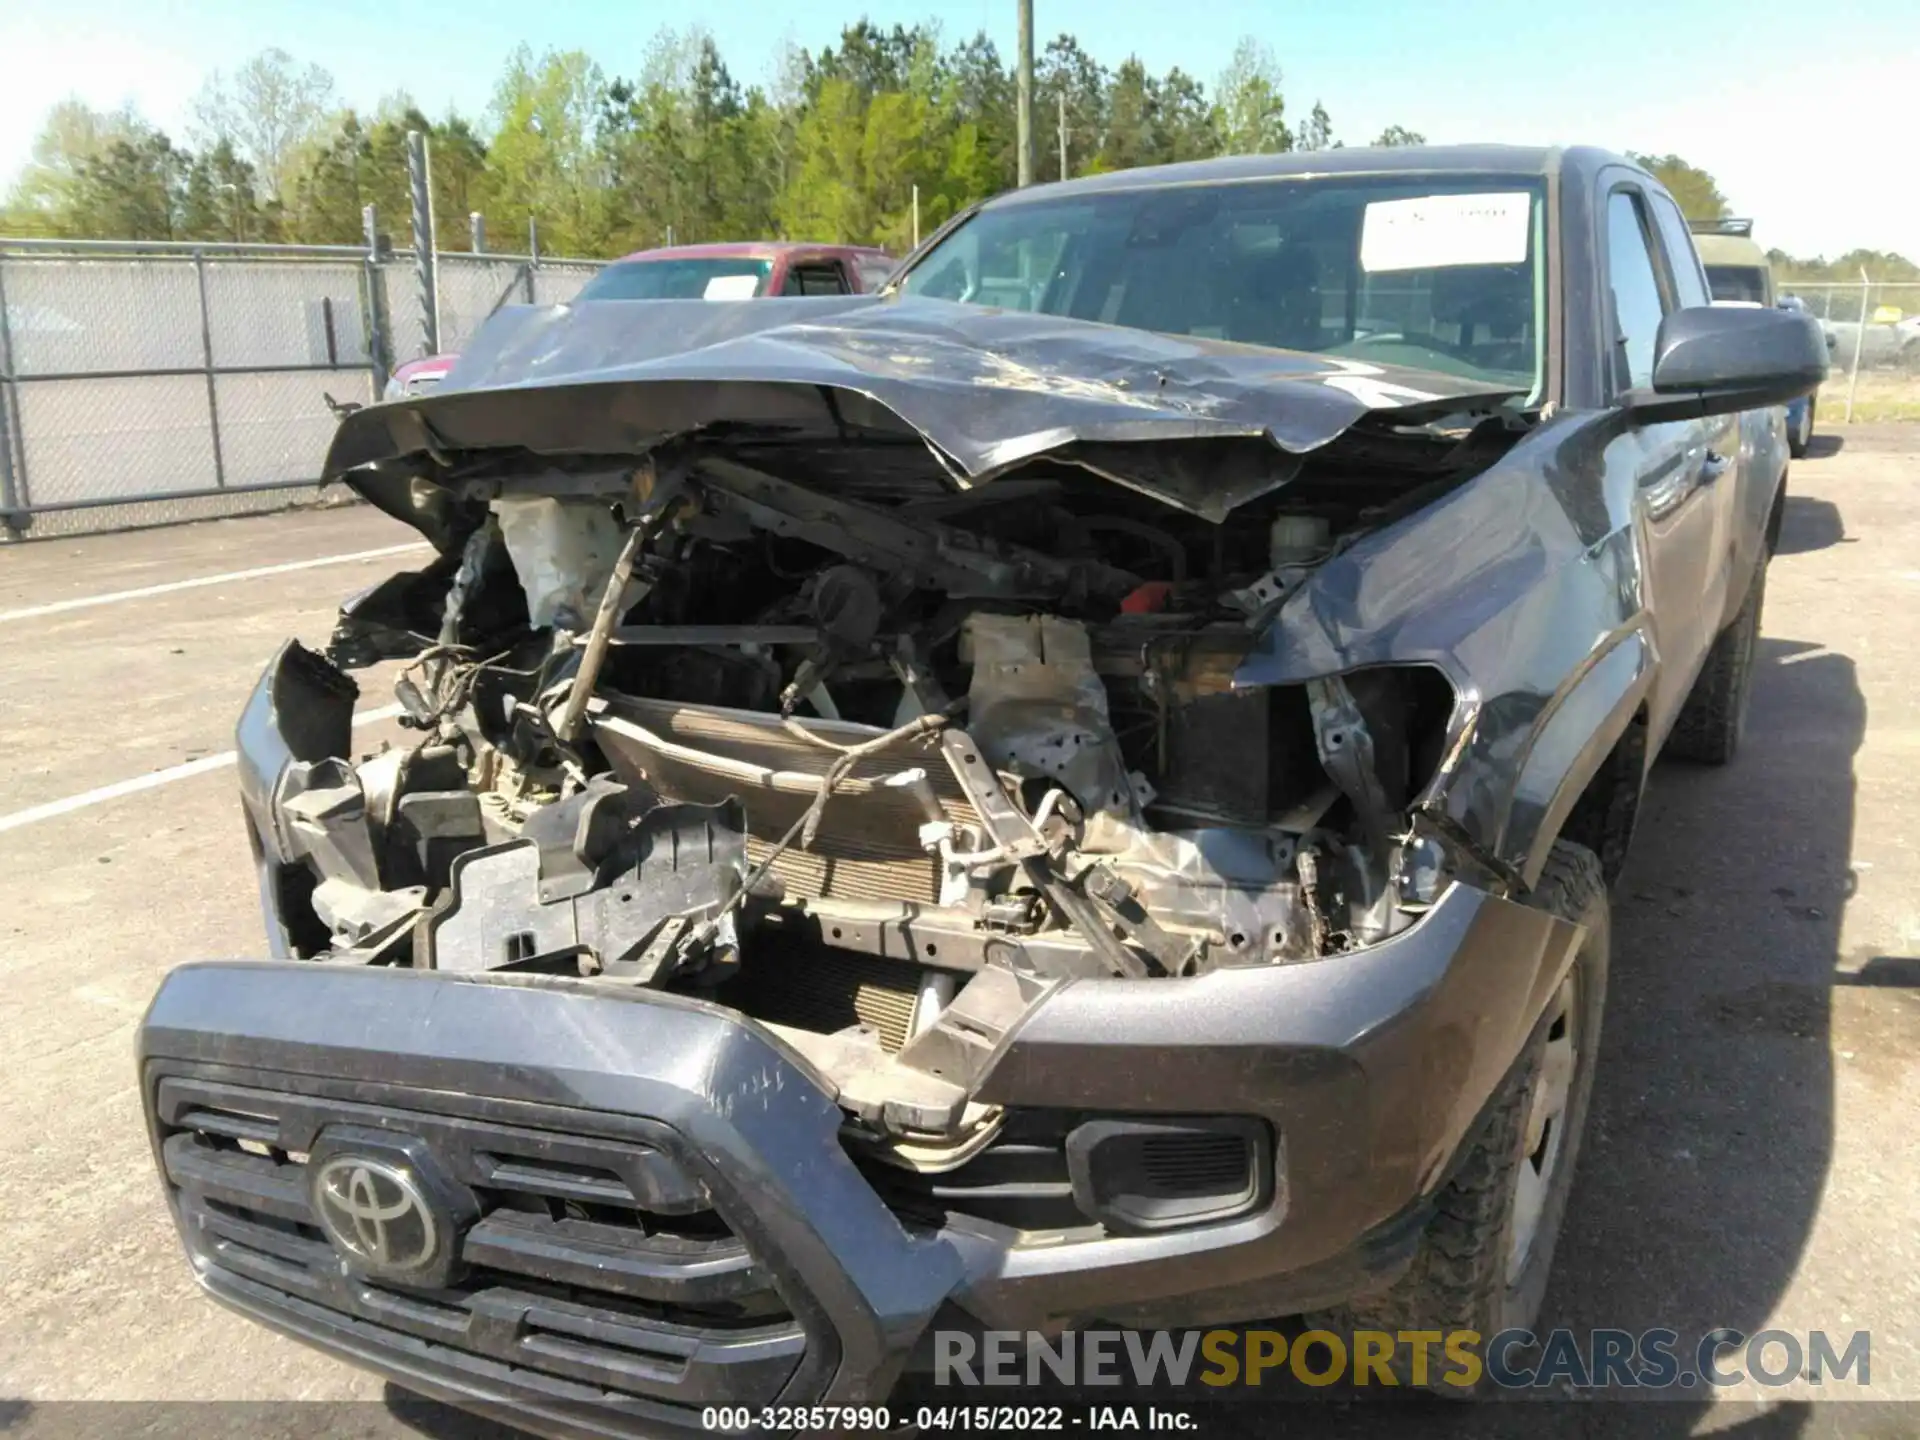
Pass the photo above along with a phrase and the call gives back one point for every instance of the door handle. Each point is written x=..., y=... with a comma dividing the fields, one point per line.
x=1714, y=466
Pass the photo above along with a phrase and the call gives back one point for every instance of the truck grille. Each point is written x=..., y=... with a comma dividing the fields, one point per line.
x=596, y=1272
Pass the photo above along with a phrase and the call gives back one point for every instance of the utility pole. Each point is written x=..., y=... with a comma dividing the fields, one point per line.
x=1063, y=134
x=1024, y=123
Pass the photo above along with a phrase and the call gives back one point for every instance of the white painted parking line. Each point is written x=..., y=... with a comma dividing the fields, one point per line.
x=57, y=607
x=122, y=788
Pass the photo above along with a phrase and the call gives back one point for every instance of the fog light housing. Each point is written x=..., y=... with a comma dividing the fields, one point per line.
x=1140, y=1176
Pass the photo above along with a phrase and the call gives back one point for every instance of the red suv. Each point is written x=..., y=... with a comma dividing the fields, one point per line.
x=732, y=270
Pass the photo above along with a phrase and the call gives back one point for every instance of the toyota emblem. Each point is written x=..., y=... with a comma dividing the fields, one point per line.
x=375, y=1213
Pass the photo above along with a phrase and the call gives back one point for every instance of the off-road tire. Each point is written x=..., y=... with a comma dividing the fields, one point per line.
x=1458, y=1279
x=1710, y=724
x=1797, y=444
x=1603, y=820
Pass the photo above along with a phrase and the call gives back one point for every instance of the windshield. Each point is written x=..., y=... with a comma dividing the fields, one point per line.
x=1738, y=282
x=693, y=278
x=1396, y=269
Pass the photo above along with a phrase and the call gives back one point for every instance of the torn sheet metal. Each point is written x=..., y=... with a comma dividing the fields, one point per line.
x=986, y=389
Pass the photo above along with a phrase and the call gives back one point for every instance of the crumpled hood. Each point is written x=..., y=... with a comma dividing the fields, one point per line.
x=986, y=389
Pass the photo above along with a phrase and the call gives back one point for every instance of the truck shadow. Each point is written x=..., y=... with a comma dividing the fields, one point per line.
x=1810, y=524
x=1712, y=1125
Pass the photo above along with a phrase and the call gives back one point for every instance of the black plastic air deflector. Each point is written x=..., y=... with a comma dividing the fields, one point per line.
x=1145, y=1175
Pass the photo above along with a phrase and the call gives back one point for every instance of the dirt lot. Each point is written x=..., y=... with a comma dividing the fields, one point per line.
x=1754, y=1161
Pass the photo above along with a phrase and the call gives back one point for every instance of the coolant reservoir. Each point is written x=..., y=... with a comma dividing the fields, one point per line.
x=1298, y=539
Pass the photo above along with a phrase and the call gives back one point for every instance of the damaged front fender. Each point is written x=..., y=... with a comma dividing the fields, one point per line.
x=300, y=714
x=1529, y=597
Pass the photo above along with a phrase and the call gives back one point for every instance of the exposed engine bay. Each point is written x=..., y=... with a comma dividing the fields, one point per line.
x=874, y=762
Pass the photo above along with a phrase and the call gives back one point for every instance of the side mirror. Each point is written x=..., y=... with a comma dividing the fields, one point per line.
x=1714, y=360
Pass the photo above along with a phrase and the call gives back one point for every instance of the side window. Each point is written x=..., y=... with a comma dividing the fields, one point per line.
x=1637, y=306
x=1689, y=280
x=873, y=272
x=822, y=279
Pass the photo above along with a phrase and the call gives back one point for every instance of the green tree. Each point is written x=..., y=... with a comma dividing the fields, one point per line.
x=332, y=184
x=459, y=179
x=1183, y=119
x=836, y=146
x=1694, y=189
x=133, y=190
x=1251, y=113
x=363, y=164
x=41, y=200
x=897, y=152
x=1883, y=267
x=1317, y=133
x=687, y=152
x=1065, y=70
x=269, y=111
x=1128, y=139
x=873, y=60
x=826, y=197
x=219, y=201
x=975, y=105
x=544, y=162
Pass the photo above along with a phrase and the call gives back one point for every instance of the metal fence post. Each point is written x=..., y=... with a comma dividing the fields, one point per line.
x=206, y=358
x=1859, y=338
x=13, y=485
x=379, y=342
x=420, y=182
x=533, y=256
x=477, y=233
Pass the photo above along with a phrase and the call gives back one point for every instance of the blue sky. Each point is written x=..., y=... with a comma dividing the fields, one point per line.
x=1804, y=113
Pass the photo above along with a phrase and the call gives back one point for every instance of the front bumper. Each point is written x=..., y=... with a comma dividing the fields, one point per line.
x=1367, y=1070
x=1368, y=1067
x=589, y=1101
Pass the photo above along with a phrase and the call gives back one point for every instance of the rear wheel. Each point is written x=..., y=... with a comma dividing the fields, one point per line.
x=1711, y=722
x=1483, y=1262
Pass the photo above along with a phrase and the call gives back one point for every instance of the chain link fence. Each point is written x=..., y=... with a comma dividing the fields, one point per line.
x=1873, y=334
x=147, y=383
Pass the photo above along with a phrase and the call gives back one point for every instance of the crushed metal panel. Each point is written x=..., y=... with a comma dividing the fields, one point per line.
x=1200, y=424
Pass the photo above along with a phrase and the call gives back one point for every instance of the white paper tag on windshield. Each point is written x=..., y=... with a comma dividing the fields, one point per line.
x=731, y=287
x=1431, y=231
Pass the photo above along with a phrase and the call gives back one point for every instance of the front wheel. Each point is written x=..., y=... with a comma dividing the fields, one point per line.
x=1482, y=1264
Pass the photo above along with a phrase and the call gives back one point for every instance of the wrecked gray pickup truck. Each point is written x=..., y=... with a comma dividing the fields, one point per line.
x=1093, y=806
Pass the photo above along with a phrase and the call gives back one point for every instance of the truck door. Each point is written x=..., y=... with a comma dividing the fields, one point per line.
x=1755, y=440
x=1683, y=468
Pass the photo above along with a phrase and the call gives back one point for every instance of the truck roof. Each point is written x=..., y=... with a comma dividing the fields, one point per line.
x=749, y=250
x=1360, y=160
x=1729, y=250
